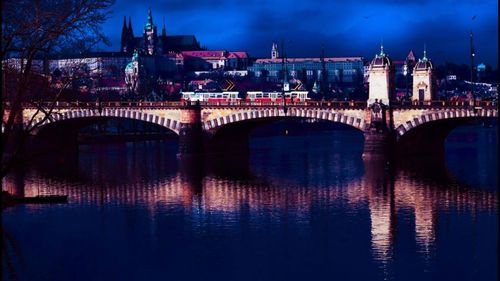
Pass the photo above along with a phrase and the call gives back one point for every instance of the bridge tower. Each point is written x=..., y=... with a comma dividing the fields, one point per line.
x=381, y=74
x=190, y=131
x=422, y=79
x=379, y=137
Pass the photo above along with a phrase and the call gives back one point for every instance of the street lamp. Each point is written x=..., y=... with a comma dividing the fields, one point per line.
x=284, y=76
x=472, y=55
x=405, y=73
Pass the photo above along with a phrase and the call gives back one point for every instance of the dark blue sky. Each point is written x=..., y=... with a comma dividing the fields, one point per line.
x=346, y=29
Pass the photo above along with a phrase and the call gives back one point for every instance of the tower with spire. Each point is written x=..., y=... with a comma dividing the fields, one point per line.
x=150, y=35
x=274, y=51
x=131, y=37
x=125, y=36
x=422, y=79
x=381, y=77
x=163, y=29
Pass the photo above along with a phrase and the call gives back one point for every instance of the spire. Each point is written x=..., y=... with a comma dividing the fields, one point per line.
x=274, y=51
x=163, y=30
x=131, y=32
x=149, y=23
x=410, y=56
x=425, y=53
x=124, y=28
x=124, y=37
x=382, y=49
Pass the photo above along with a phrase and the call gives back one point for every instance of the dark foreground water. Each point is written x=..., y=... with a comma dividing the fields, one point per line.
x=297, y=208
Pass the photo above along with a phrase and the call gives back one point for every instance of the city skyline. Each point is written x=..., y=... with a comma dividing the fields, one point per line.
x=253, y=27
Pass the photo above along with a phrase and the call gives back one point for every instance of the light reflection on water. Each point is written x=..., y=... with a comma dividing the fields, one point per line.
x=296, y=207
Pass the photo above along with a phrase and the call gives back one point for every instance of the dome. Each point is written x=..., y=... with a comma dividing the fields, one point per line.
x=129, y=67
x=424, y=63
x=381, y=60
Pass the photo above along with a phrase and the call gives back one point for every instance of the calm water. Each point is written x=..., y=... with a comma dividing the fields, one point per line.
x=297, y=208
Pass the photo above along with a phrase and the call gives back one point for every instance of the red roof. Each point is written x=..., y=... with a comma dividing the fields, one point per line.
x=240, y=55
x=204, y=54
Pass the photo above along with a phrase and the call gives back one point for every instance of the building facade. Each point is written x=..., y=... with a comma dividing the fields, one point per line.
x=348, y=69
x=214, y=60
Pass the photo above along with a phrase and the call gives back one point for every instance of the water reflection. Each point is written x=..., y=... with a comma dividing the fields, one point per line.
x=379, y=185
x=201, y=183
x=261, y=192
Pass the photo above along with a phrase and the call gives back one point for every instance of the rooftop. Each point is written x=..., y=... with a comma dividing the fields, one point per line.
x=339, y=59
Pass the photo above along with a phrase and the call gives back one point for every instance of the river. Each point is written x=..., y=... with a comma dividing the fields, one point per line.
x=297, y=207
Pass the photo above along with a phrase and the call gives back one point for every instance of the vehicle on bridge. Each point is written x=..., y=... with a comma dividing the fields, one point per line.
x=251, y=96
x=210, y=96
x=292, y=96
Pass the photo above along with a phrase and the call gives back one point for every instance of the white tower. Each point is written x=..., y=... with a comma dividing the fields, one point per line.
x=380, y=73
x=274, y=51
x=422, y=79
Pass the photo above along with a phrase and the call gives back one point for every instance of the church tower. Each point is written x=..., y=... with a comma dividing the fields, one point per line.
x=381, y=74
x=164, y=30
x=422, y=79
x=274, y=51
x=125, y=36
x=150, y=36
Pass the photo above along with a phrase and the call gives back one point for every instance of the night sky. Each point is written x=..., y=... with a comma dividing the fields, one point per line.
x=346, y=29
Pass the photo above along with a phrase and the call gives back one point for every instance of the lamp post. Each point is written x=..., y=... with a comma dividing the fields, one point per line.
x=472, y=55
x=284, y=75
x=405, y=73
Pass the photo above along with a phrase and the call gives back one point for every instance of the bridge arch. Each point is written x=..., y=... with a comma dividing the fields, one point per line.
x=346, y=118
x=452, y=114
x=426, y=134
x=55, y=117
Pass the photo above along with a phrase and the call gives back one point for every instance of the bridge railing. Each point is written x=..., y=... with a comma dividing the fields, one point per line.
x=326, y=104
x=323, y=104
x=443, y=104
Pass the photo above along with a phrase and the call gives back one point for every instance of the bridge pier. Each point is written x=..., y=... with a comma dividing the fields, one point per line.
x=378, y=145
x=14, y=141
x=56, y=140
x=190, y=131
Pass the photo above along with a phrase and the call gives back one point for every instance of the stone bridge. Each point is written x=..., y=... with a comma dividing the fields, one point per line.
x=418, y=128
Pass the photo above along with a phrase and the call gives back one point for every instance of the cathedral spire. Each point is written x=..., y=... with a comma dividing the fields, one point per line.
x=163, y=30
x=131, y=32
x=125, y=32
x=149, y=23
x=124, y=28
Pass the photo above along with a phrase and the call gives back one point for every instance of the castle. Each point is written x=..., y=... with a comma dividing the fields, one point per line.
x=150, y=43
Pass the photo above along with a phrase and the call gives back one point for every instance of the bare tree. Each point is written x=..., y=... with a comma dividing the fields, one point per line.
x=31, y=30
